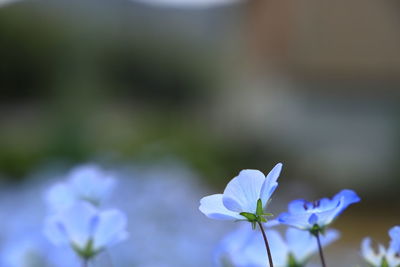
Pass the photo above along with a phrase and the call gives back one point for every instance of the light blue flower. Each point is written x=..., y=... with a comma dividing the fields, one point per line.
x=245, y=248
x=245, y=193
x=85, y=229
x=86, y=182
x=318, y=214
x=389, y=257
x=394, y=234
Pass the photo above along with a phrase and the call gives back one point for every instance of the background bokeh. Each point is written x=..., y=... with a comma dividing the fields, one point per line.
x=216, y=86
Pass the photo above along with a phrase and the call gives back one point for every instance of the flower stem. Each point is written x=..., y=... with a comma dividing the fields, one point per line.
x=85, y=263
x=321, y=254
x=271, y=264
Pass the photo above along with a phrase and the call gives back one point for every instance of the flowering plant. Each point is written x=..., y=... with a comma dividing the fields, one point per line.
x=245, y=198
x=389, y=257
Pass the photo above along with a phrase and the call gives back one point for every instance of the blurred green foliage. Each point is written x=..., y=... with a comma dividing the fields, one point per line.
x=74, y=88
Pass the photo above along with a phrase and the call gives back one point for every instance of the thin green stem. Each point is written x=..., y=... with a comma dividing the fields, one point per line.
x=271, y=264
x=321, y=254
x=85, y=263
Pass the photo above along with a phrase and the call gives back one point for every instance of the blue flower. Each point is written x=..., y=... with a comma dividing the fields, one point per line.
x=394, y=234
x=389, y=257
x=247, y=193
x=87, y=182
x=245, y=248
x=318, y=214
x=85, y=229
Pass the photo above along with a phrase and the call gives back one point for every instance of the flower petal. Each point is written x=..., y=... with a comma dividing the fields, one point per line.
x=302, y=244
x=394, y=234
x=296, y=220
x=59, y=196
x=347, y=197
x=213, y=208
x=110, y=229
x=91, y=183
x=270, y=184
x=369, y=254
x=76, y=222
x=243, y=191
x=298, y=206
x=253, y=253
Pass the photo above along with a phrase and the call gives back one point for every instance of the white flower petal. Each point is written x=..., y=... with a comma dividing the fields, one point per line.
x=254, y=252
x=270, y=184
x=91, y=183
x=369, y=254
x=76, y=221
x=243, y=191
x=303, y=244
x=59, y=196
x=55, y=231
x=213, y=208
x=110, y=229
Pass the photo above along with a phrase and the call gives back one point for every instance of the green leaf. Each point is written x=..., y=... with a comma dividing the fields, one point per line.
x=249, y=216
x=259, y=210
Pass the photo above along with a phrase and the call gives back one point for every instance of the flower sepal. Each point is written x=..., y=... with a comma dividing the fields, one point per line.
x=292, y=262
x=316, y=230
x=384, y=262
x=87, y=252
x=258, y=217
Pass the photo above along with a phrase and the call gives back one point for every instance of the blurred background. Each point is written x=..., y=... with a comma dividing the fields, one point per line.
x=215, y=86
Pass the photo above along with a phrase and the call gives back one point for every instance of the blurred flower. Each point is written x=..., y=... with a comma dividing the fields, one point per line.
x=177, y=188
x=384, y=257
x=87, y=230
x=245, y=248
x=22, y=253
x=245, y=197
x=86, y=182
x=394, y=234
x=315, y=216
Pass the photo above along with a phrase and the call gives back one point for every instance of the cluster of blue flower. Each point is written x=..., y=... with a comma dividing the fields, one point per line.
x=246, y=197
x=76, y=218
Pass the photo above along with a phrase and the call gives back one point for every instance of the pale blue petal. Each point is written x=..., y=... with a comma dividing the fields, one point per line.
x=296, y=220
x=343, y=199
x=347, y=197
x=59, y=196
x=242, y=192
x=213, y=208
x=329, y=237
x=302, y=244
x=270, y=184
x=91, y=183
x=110, y=229
x=55, y=231
x=253, y=254
x=76, y=222
x=298, y=206
x=394, y=234
x=369, y=254
x=327, y=204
